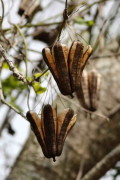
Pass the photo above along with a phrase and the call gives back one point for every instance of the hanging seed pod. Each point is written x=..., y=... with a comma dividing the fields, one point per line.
x=94, y=81
x=56, y=59
x=29, y=8
x=51, y=130
x=67, y=65
x=89, y=91
x=77, y=60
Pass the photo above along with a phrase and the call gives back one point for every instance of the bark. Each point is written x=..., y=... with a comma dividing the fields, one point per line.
x=90, y=140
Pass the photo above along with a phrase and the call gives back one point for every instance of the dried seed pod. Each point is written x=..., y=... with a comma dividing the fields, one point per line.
x=77, y=60
x=60, y=54
x=67, y=66
x=36, y=127
x=83, y=91
x=29, y=7
x=57, y=63
x=74, y=60
x=50, y=130
x=89, y=91
x=49, y=121
x=94, y=81
x=64, y=119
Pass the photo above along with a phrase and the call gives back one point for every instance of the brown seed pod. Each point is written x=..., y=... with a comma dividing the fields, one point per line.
x=67, y=66
x=66, y=118
x=36, y=127
x=29, y=7
x=50, y=130
x=60, y=54
x=83, y=91
x=94, y=81
x=74, y=60
x=57, y=63
x=89, y=91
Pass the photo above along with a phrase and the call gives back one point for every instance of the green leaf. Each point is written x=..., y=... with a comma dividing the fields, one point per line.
x=80, y=20
x=12, y=83
x=5, y=65
x=37, y=75
x=38, y=88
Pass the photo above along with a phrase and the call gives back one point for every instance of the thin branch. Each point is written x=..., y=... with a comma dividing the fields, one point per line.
x=104, y=165
x=12, y=67
x=26, y=46
x=3, y=11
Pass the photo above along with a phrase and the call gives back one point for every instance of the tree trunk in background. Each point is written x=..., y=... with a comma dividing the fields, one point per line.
x=88, y=142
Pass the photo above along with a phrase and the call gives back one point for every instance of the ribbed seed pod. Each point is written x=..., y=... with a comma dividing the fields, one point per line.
x=50, y=130
x=29, y=7
x=94, y=81
x=89, y=91
x=60, y=54
x=49, y=127
x=57, y=63
x=67, y=65
x=36, y=127
x=74, y=60
x=65, y=118
x=83, y=91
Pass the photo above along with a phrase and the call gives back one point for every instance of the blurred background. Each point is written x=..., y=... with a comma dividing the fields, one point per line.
x=26, y=27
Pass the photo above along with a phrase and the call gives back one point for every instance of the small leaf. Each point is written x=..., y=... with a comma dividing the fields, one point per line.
x=30, y=79
x=37, y=75
x=80, y=20
x=38, y=88
x=5, y=65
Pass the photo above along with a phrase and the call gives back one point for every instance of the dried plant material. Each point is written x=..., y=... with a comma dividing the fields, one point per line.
x=45, y=34
x=60, y=54
x=67, y=65
x=51, y=130
x=56, y=59
x=89, y=91
x=75, y=58
x=94, y=81
x=83, y=92
x=29, y=8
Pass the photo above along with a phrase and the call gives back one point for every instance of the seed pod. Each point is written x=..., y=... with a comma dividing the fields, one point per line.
x=65, y=119
x=94, y=81
x=67, y=66
x=50, y=130
x=83, y=91
x=89, y=91
x=49, y=121
x=60, y=54
x=57, y=63
x=29, y=7
x=74, y=60
x=36, y=127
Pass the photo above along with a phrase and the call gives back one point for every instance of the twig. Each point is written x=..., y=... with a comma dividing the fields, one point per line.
x=3, y=11
x=26, y=46
x=12, y=67
x=104, y=165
